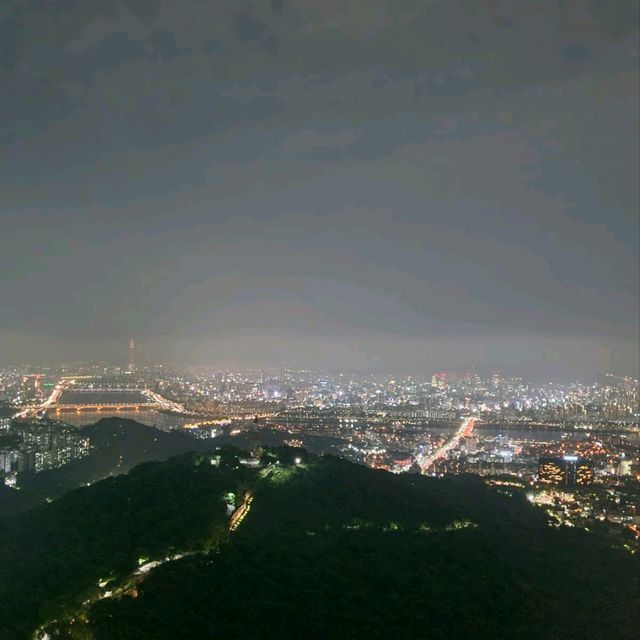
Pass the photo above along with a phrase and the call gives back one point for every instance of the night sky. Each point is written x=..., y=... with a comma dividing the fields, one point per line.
x=390, y=185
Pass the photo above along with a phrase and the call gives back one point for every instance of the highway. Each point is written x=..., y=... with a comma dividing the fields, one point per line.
x=52, y=399
x=465, y=430
x=168, y=405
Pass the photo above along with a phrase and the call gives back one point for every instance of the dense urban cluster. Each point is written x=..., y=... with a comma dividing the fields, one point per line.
x=37, y=445
x=574, y=447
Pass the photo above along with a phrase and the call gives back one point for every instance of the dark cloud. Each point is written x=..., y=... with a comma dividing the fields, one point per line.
x=365, y=174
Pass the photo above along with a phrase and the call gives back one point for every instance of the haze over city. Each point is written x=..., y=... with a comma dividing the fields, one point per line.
x=375, y=186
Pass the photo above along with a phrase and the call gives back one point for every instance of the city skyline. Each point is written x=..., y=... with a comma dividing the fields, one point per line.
x=319, y=319
x=485, y=371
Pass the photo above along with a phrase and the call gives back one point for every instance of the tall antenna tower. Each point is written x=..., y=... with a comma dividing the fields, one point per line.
x=132, y=349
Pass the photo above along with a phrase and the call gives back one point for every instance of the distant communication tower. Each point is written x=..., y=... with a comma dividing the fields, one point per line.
x=132, y=349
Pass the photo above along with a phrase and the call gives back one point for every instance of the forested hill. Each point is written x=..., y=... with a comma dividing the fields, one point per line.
x=13, y=502
x=316, y=548
x=117, y=445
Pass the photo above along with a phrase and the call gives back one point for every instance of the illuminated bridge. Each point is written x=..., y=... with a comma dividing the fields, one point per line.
x=79, y=400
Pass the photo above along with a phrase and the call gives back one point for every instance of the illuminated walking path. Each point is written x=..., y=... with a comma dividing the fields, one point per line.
x=240, y=513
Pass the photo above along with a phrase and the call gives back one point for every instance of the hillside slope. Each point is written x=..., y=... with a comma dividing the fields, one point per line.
x=322, y=549
x=118, y=445
x=335, y=550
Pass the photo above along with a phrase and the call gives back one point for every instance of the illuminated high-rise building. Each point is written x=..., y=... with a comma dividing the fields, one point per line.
x=132, y=348
x=550, y=471
x=584, y=473
x=439, y=380
x=566, y=471
x=38, y=385
x=624, y=467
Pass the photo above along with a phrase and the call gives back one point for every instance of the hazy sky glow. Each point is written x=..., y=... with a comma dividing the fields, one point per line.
x=366, y=184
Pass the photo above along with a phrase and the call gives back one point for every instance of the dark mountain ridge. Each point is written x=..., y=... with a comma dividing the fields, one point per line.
x=317, y=548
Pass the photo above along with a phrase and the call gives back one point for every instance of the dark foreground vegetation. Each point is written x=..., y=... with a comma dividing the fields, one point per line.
x=327, y=549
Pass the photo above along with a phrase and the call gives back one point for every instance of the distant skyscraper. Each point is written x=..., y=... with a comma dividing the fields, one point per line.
x=439, y=380
x=132, y=363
